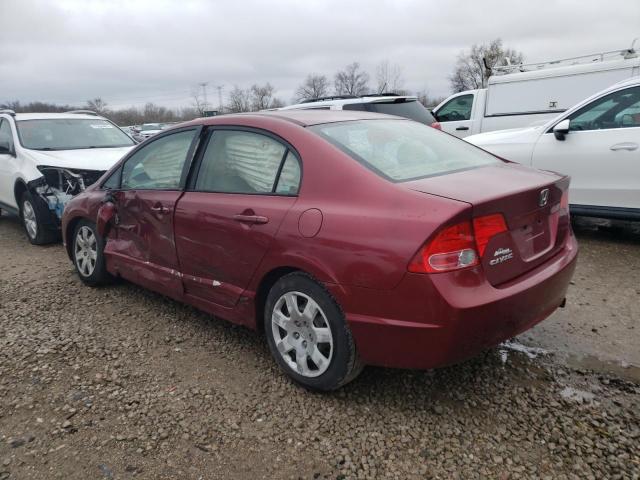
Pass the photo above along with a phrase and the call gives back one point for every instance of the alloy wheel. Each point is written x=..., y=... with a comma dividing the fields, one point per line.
x=29, y=219
x=86, y=251
x=302, y=334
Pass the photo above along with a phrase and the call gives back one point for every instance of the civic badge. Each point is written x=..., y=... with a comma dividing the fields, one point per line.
x=544, y=197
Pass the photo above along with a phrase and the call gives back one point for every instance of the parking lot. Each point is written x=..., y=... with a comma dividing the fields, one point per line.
x=119, y=382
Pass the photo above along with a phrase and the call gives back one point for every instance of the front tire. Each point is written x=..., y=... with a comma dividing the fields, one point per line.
x=38, y=231
x=88, y=255
x=308, y=335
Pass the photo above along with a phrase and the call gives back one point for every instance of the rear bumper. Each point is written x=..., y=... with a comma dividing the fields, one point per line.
x=435, y=320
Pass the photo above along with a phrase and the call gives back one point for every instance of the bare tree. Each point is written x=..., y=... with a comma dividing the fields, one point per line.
x=239, y=100
x=263, y=97
x=351, y=81
x=389, y=78
x=97, y=105
x=198, y=100
x=427, y=100
x=314, y=86
x=470, y=71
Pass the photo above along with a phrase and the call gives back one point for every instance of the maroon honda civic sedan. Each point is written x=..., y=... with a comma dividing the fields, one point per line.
x=348, y=238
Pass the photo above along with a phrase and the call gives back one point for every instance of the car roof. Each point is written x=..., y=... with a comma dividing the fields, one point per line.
x=51, y=116
x=344, y=101
x=304, y=118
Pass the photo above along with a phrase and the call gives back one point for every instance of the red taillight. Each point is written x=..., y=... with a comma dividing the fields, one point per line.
x=564, y=201
x=457, y=247
x=436, y=125
x=485, y=228
x=453, y=248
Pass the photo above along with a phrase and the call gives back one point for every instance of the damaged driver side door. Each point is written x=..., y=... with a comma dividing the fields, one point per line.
x=142, y=246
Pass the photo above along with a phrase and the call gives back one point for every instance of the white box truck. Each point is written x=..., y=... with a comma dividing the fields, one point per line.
x=531, y=94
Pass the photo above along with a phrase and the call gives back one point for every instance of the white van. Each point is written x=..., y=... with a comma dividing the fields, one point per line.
x=531, y=94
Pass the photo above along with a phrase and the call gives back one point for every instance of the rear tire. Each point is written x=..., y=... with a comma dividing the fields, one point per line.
x=38, y=231
x=87, y=250
x=308, y=335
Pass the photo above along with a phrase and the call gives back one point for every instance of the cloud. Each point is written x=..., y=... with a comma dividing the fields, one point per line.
x=130, y=52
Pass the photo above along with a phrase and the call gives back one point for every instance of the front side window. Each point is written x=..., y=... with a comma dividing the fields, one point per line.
x=246, y=162
x=6, y=139
x=617, y=110
x=159, y=164
x=402, y=150
x=456, y=109
x=71, y=134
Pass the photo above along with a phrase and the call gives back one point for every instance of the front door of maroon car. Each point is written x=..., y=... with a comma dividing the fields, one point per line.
x=202, y=233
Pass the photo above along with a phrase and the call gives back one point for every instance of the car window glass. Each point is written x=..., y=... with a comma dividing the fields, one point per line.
x=159, y=164
x=289, y=180
x=617, y=110
x=456, y=109
x=240, y=162
x=402, y=150
x=6, y=139
x=113, y=181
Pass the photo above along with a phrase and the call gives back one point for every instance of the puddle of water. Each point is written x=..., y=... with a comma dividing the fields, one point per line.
x=622, y=369
x=589, y=362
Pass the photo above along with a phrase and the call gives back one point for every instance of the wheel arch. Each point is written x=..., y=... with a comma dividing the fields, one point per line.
x=19, y=187
x=68, y=233
x=262, y=291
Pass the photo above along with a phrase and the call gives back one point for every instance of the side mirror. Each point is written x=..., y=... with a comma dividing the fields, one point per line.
x=561, y=129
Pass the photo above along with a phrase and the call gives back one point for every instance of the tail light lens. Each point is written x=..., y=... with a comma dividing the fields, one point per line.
x=453, y=248
x=564, y=201
x=436, y=125
x=458, y=246
x=485, y=228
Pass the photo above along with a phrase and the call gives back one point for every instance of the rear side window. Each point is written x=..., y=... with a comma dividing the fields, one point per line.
x=289, y=180
x=247, y=162
x=411, y=109
x=401, y=150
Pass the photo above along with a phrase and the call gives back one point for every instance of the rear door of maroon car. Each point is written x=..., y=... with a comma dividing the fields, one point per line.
x=143, y=248
x=244, y=183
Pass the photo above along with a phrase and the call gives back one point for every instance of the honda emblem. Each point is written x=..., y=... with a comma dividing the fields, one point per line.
x=544, y=197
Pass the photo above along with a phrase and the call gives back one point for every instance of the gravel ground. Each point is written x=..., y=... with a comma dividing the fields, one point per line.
x=118, y=383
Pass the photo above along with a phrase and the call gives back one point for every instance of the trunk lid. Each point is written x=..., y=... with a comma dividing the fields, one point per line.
x=528, y=199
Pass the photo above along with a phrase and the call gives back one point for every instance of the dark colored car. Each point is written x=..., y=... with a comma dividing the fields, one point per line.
x=349, y=238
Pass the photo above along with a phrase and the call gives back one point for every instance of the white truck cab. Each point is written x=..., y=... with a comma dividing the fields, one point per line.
x=532, y=94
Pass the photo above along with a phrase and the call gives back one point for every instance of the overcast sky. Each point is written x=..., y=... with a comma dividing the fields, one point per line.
x=136, y=51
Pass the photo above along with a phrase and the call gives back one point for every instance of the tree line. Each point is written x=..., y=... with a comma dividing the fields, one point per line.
x=472, y=70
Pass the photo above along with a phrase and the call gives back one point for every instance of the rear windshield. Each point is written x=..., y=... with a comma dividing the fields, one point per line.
x=71, y=134
x=402, y=150
x=411, y=109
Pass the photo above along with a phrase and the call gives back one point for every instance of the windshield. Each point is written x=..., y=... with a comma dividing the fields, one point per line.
x=401, y=150
x=411, y=109
x=70, y=134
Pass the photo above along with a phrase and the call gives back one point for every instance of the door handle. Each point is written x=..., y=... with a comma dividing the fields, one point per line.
x=624, y=146
x=250, y=219
x=160, y=208
x=462, y=128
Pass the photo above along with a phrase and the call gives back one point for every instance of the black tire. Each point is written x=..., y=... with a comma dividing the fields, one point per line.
x=42, y=231
x=344, y=364
x=98, y=275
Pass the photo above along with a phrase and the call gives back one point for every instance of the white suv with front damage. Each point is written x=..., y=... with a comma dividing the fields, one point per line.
x=47, y=158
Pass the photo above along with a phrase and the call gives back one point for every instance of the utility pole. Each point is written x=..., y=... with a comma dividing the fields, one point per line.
x=220, y=107
x=204, y=95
